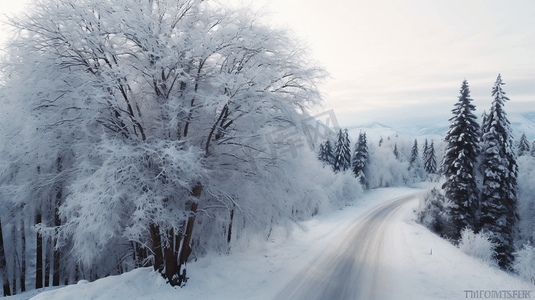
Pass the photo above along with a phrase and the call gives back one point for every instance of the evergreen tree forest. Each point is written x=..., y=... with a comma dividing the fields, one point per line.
x=392, y=162
x=480, y=174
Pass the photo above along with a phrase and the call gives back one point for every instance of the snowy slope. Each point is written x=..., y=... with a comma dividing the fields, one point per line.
x=523, y=122
x=428, y=267
x=264, y=270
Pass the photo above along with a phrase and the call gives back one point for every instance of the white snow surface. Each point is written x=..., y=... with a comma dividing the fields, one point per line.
x=423, y=266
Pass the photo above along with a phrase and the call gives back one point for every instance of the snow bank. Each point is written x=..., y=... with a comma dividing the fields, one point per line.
x=425, y=266
x=142, y=284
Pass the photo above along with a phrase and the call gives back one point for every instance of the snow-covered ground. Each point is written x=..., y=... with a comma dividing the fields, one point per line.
x=423, y=265
x=428, y=267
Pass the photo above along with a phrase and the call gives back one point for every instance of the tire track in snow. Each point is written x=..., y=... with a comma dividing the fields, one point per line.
x=355, y=266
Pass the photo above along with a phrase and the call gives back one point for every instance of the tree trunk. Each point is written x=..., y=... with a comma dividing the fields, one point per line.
x=23, y=258
x=3, y=265
x=138, y=254
x=47, y=262
x=171, y=258
x=156, y=248
x=39, y=263
x=176, y=254
x=57, y=223
x=230, y=226
x=14, y=283
x=185, y=250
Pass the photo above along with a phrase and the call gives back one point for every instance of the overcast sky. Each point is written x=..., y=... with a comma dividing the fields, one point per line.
x=393, y=61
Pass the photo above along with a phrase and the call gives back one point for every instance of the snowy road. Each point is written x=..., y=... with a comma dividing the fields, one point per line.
x=356, y=266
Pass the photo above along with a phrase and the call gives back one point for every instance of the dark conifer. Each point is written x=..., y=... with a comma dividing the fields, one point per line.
x=360, y=158
x=458, y=164
x=395, y=151
x=414, y=156
x=342, y=152
x=425, y=149
x=430, y=164
x=523, y=146
x=498, y=194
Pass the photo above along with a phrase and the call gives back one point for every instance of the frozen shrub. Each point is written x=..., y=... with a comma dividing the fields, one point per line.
x=526, y=199
x=478, y=245
x=430, y=213
x=524, y=262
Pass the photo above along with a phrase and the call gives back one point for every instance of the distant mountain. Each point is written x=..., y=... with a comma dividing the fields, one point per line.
x=373, y=131
x=418, y=129
x=376, y=130
x=523, y=122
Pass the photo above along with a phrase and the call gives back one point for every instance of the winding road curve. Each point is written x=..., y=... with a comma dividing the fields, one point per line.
x=355, y=266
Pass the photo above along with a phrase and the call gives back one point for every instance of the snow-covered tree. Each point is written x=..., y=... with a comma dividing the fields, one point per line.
x=415, y=164
x=342, y=152
x=526, y=199
x=383, y=169
x=484, y=121
x=431, y=211
x=321, y=152
x=395, y=151
x=326, y=154
x=425, y=150
x=498, y=192
x=533, y=149
x=523, y=146
x=415, y=157
x=459, y=163
x=430, y=163
x=360, y=158
x=158, y=111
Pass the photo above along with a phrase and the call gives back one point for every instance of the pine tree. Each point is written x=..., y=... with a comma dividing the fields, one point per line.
x=329, y=153
x=484, y=121
x=381, y=141
x=321, y=152
x=430, y=163
x=347, y=151
x=533, y=149
x=425, y=150
x=458, y=164
x=498, y=194
x=325, y=154
x=395, y=151
x=414, y=155
x=523, y=146
x=342, y=152
x=360, y=158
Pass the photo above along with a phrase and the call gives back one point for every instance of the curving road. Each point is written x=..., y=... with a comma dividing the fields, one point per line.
x=355, y=266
